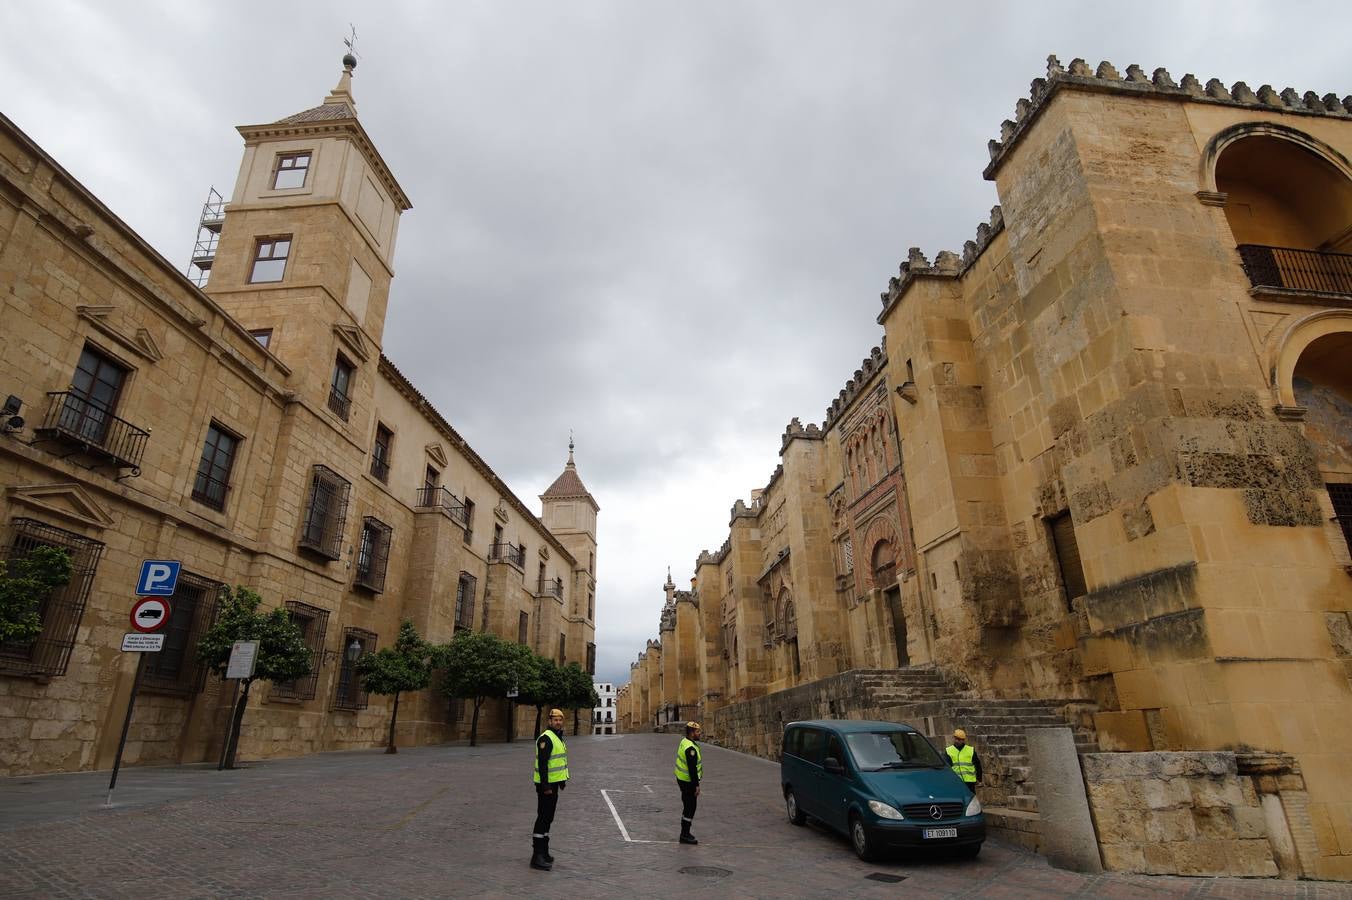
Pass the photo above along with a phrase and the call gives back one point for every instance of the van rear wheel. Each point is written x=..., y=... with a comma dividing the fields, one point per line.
x=861, y=840
x=796, y=814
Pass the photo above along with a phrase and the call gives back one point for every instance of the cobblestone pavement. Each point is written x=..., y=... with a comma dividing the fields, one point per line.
x=456, y=821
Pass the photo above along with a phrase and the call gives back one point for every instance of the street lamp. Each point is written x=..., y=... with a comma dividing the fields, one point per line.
x=353, y=650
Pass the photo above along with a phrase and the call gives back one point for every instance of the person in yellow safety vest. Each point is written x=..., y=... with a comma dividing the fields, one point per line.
x=689, y=773
x=551, y=776
x=966, y=764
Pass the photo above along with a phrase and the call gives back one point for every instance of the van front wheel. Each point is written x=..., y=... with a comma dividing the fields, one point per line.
x=861, y=840
x=796, y=814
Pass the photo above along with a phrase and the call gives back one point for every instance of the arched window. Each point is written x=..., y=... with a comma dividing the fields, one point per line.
x=884, y=564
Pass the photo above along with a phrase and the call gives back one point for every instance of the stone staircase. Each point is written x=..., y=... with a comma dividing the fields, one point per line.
x=924, y=698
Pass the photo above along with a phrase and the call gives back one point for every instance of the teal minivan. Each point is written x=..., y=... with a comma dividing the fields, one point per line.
x=880, y=783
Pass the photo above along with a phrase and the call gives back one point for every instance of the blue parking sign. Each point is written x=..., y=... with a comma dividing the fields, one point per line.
x=158, y=578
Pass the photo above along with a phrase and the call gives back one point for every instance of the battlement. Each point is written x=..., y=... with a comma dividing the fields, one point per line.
x=1159, y=84
x=947, y=264
x=876, y=361
x=795, y=431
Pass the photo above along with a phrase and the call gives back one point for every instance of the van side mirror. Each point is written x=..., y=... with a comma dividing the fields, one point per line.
x=833, y=766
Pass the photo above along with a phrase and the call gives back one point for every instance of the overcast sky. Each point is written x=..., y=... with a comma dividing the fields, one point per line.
x=662, y=225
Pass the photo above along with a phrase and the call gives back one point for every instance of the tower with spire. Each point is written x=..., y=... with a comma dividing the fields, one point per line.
x=307, y=246
x=569, y=512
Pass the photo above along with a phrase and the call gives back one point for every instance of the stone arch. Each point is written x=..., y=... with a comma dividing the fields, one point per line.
x=1297, y=338
x=881, y=535
x=1224, y=138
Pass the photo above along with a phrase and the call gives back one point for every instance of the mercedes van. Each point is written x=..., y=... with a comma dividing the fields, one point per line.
x=882, y=784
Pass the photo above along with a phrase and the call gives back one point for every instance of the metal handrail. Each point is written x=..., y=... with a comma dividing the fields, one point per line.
x=340, y=403
x=505, y=551
x=77, y=418
x=1292, y=269
x=210, y=491
x=550, y=588
x=438, y=497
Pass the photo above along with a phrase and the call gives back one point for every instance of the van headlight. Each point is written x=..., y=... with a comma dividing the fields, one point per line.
x=884, y=811
x=973, y=808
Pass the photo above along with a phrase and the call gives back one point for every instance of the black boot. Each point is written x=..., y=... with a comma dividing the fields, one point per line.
x=686, y=836
x=547, y=855
x=538, y=860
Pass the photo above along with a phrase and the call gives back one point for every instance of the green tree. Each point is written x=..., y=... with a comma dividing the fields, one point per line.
x=24, y=582
x=478, y=665
x=578, y=691
x=406, y=666
x=282, y=654
x=547, y=687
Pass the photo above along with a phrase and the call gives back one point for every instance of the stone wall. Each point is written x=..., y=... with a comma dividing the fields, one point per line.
x=1189, y=813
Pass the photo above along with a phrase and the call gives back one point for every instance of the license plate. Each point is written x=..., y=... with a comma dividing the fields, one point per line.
x=939, y=833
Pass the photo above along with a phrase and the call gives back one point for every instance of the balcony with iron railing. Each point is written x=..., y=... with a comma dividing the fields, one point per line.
x=340, y=403
x=76, y=420
x=1287, y=270
x=504, y=551
x=550, y=587
x=380, y=469
x=442, y=500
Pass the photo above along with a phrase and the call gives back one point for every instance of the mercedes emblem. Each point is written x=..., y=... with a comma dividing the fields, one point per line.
x=936, y=812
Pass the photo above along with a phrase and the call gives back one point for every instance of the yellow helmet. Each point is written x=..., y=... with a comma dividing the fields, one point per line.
x=959, y=734
x=691, y=726
x=556, y=712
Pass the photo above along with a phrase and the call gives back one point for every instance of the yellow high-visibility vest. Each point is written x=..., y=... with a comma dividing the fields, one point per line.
x=962, y=762
x=682, y=768
x=558, y=759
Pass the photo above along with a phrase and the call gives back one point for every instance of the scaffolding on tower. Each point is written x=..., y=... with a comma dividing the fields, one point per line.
x=208, y=236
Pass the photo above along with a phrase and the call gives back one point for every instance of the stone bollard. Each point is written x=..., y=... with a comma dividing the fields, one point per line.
x=1068, y=838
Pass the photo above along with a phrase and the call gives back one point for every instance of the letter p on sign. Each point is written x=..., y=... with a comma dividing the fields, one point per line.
x=158, y=578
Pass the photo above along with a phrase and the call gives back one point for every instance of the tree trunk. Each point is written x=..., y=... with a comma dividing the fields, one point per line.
x=474, y=723
x=390, y=748
x=511, y=719
x=574, y=721
x=236, y=721
x=538, y=711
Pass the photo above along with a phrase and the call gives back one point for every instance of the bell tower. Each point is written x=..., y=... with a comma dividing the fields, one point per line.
x=569, y=512
x=306, y=250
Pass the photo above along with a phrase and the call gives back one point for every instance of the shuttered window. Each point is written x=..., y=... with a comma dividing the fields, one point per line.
x=1068, y=556
x=313, y=623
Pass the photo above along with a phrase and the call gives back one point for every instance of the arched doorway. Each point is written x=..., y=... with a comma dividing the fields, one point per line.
x=1322, y=385
x=884, y=565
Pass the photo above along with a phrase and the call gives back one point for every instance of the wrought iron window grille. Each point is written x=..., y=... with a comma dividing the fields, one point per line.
x=314, y=623
x=373, y=554
x=325, y=513
x=61, y=610
x=349, y=693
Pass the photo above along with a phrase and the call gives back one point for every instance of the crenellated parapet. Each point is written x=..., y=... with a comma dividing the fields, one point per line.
x=1159, y=83
x=795, y=431
x=875, y=362
x=741, y=511
x=667, y=621
x=947, y=264
x=690, y=597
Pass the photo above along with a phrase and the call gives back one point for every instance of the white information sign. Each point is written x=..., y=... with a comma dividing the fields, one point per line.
x=243, y=658
x=142, y=643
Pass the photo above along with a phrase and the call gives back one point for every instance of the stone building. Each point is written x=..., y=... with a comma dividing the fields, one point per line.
x=255, y=431
x=604, y=719
x=1102, y=459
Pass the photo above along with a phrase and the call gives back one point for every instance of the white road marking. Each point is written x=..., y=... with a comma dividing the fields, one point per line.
x=605, y=795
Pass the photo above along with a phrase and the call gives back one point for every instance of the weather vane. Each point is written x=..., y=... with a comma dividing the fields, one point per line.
x=351, y=41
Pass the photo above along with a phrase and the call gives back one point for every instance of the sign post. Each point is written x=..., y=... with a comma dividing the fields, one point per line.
x=148, y=614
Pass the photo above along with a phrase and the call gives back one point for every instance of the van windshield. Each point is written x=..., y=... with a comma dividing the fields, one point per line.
x=874, y=751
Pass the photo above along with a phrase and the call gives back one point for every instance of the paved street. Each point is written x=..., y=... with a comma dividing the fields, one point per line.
x=455, y=821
